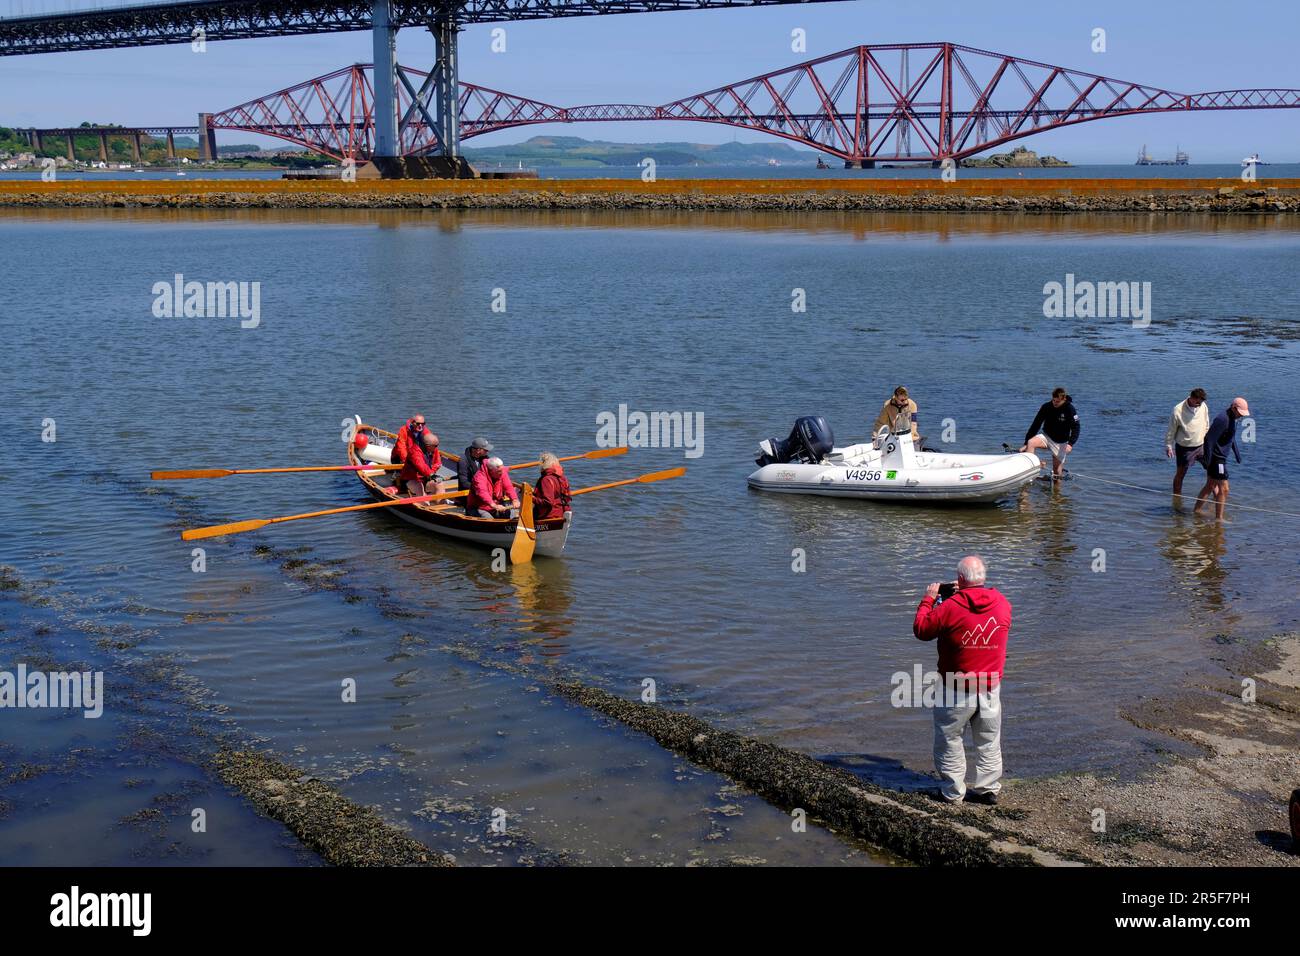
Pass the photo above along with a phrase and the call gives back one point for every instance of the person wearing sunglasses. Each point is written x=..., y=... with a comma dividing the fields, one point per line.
x=407, y=435
x=897, y=414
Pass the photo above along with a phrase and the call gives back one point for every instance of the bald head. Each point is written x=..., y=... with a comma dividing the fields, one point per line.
x=971, y=572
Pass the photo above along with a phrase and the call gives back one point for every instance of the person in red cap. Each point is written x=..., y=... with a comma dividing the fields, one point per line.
x=1221, y=438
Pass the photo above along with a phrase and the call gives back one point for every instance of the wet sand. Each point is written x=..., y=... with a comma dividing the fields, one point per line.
x=1226, y=806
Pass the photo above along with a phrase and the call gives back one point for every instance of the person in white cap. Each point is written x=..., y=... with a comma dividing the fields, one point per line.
x=1221, y=438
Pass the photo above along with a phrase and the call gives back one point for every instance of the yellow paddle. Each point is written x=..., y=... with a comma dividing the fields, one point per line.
x=521, y=549
x=238, y=527
x=643, y=479
x=226, y=472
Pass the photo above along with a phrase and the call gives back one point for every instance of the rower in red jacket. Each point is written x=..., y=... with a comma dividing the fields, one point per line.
x=552, y=497
x=419, y=474
x=407, y=436
x=972, y=628
x=491, y=493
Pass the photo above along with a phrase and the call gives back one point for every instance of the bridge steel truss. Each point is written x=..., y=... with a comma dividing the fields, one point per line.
x=867, y=104
x=149, y=24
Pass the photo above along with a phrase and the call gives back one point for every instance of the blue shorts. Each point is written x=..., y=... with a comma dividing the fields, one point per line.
x=1186, y=454
x=1216, y=468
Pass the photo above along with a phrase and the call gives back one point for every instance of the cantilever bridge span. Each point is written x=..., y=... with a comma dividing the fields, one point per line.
x=887, y=102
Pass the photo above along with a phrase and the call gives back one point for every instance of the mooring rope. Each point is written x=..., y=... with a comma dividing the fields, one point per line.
x=1158, y=491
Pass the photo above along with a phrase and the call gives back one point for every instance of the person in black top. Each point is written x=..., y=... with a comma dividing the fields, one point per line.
x=471, y=462
x=1060, y=429
x=1219, y=440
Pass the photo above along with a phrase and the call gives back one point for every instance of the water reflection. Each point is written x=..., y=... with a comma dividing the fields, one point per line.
x=858, y=225
x=1195, y=550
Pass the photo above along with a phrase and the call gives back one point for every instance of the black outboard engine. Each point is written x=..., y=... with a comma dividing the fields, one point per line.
x=810, y=441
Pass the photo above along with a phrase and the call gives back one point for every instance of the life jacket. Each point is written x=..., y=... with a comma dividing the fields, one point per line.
x=407, y=437
x=420, y=464
x=553, y=496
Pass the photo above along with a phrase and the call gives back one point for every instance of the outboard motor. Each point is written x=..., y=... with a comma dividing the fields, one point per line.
x=810, y=441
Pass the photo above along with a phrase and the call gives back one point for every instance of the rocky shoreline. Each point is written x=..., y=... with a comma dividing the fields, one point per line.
x=1227, y=200
x=344, y=833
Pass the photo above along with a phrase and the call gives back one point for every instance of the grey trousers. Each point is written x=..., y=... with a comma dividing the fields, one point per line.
x=983, y=712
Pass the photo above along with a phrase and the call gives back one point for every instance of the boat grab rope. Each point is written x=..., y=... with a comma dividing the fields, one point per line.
x=1158, y=491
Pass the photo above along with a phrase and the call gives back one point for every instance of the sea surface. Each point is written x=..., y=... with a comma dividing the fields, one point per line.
x=780, y=616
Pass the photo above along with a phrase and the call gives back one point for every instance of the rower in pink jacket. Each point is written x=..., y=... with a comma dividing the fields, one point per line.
x=491, y=493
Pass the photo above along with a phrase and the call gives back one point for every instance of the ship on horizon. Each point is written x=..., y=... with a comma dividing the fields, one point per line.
x=1145, y=159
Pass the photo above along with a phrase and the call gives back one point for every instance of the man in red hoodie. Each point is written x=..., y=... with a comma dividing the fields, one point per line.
x=419, y=474
x=972, y=628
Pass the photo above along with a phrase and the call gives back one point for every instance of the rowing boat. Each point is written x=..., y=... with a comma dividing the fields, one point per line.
x=447, y=518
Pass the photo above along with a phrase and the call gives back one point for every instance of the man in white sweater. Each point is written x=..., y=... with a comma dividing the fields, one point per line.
x=1187, y=427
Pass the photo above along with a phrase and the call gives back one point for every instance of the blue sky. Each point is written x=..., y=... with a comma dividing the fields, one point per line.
x=653, y=58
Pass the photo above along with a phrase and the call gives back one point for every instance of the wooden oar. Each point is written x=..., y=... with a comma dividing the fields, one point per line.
x=226, y=472
x=238, y=527
x=521, y=549
x=598, y=453
x=644, y=479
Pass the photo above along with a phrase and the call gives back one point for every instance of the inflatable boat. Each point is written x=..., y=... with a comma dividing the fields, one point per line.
x=888, y=468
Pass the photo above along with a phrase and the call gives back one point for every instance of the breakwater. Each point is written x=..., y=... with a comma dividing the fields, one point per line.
x=982, y=195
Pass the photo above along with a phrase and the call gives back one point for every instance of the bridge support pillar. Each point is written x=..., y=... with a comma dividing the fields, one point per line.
x=447, y=91
x=860, y=164
x=135, y=147
x=103, y=147
x=207, y=138
x=72, y=153
x=385, y=81
x=171, y=144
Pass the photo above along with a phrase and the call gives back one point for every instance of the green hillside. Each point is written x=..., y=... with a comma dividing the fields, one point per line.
x=575, y=151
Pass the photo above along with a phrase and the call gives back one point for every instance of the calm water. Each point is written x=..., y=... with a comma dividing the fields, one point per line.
x=689, y=582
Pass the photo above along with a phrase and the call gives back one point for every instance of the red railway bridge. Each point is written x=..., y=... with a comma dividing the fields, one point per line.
x=892, y=102
x=918, y=102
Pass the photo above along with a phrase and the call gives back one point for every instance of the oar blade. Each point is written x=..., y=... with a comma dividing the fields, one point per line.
x=521, y=549
x=662, y=475
x=217, y=530
x=191, y=473
x=606, y=452
x=639, y=480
